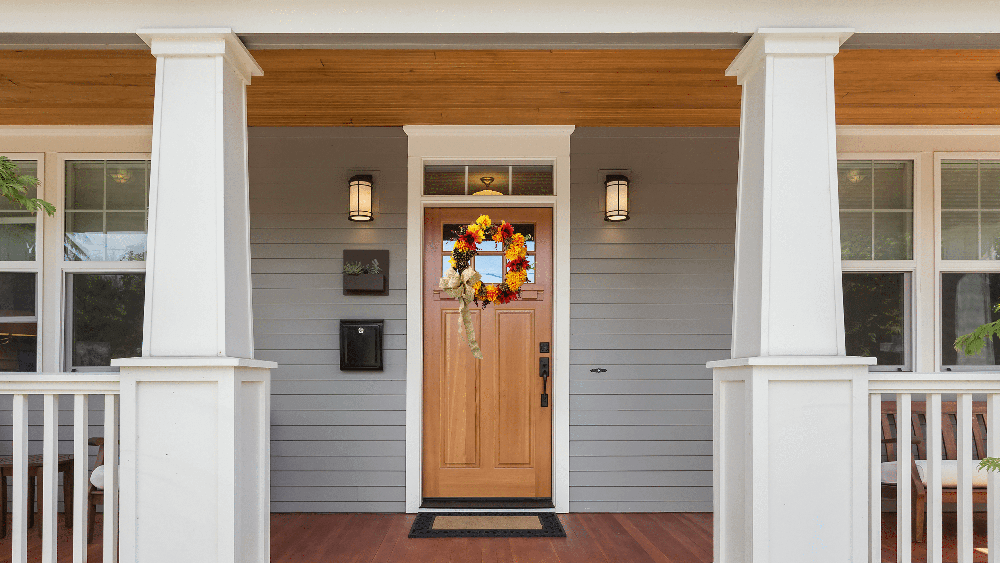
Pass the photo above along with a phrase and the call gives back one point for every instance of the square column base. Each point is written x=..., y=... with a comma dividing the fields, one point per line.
x=195, y=460
x=791, y=459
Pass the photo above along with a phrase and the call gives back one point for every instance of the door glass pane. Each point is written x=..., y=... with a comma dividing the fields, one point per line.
x=489, y=178
x=532, y=180
x=490, y=267
x=528, y=230
x=444, y=180
x=106, y=322
x=874, y=319
x=17, y=227
x=18, y=336
x=967, y=301
x=531, y=272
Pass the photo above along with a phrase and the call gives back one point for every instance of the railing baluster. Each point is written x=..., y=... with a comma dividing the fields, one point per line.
x=875, y=477
x=993, y=479
x=81, y=471
x=110, y=478
x=963, y=415
x=48, y=503
x=933, y=437
x=904, y=459
x=19, y=510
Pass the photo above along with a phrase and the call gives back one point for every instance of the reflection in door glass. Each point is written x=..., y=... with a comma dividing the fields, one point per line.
x=490, y=267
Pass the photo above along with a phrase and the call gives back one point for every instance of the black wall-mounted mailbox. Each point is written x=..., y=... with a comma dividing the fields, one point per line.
x=361, y=344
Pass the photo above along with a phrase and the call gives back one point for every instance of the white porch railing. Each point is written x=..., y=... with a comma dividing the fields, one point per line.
x=963, y=385
x=82, y=386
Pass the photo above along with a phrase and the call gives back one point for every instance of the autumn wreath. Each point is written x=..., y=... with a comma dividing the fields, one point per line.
x=462, y=282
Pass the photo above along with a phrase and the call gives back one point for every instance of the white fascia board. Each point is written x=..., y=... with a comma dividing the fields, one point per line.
x=515, y=16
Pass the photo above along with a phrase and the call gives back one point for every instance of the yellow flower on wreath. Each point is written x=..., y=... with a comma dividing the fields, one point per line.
x=515, y=280
x=460, y=246
x=491, y=292
x=515, y=251
x=476, y=231
x=484, y=222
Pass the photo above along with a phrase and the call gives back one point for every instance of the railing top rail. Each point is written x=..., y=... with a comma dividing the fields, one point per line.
x=936, y=382
x=59, y=383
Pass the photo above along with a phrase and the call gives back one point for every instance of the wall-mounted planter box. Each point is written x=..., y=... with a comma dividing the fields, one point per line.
x=367, y=284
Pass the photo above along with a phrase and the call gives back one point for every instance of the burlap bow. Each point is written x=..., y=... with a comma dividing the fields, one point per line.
x=463, y=287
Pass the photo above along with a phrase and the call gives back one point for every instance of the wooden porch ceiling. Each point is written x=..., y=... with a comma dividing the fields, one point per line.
x=659, y=88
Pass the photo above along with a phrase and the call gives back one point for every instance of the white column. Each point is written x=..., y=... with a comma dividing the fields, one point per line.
x=791, y=410
x=195, y=408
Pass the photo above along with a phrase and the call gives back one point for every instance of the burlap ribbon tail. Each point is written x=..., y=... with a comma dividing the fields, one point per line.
x=463, y=288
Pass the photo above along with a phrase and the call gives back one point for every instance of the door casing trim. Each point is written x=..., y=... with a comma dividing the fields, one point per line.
x=500, y=143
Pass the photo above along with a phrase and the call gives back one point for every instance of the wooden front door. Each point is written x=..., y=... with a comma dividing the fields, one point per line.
x=486, y=433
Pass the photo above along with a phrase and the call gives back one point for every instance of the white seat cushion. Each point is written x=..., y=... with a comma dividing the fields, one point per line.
x=949, y=473
x=97, y=477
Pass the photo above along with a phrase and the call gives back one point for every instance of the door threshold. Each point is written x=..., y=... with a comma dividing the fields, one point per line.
x=487, y=503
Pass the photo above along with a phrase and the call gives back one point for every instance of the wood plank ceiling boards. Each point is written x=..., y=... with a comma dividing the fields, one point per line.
x=643, y=87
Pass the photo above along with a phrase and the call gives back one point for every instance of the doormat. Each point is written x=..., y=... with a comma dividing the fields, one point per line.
x=487, y=525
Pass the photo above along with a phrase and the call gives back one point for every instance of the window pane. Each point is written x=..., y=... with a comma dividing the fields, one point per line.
x=107, y=317
x=17, y=294
x=893, y=184
x=18, y=346
x=892, y=236
x=444, y=180
x=989, y=184
x=114, y=195
x=484, y=178
x=85, y=185
x=18, y=338
x=532, y=180
x=84, y=237
x=874, y=320
x=959, y=184
x=989, y=222
x=855, y=235
x=959, y=235
x=127, y=185
x=17, y=227
x=126, y=237
x=967, y=301
x=855, y=184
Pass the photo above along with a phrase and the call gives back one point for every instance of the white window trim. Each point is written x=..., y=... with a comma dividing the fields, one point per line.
x=492, y=144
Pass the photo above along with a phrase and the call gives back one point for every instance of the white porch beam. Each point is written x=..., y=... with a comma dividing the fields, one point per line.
x=791, y=419
x=195, y=408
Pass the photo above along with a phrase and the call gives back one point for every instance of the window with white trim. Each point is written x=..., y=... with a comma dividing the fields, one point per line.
x=876, y=231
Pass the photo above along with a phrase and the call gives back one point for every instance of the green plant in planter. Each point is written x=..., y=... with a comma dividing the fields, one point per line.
x=14, y=187
x=972, y=344
x=356, y=268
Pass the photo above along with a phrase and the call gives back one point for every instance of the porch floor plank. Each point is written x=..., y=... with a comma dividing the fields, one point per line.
x=590, y=538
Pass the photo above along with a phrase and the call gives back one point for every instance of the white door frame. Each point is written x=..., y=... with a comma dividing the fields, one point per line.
x=468, y=144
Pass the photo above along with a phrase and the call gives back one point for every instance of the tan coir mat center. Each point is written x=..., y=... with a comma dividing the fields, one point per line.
x=477, y=522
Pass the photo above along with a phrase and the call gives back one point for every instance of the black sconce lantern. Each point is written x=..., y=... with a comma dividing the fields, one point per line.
x=361, y=198
x=616, y=208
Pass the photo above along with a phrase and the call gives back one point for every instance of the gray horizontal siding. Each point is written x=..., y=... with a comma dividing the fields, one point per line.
x=651, y=303
x=337, y=438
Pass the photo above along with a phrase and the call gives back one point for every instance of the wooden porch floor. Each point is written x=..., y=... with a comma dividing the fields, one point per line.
x=591, y=538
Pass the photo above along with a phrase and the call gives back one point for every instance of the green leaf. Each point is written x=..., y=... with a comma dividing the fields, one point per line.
x=14, y=187
x=990, y=464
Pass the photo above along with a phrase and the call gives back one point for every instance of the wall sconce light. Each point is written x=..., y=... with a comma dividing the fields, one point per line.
x=361, y=198
x=616, y=208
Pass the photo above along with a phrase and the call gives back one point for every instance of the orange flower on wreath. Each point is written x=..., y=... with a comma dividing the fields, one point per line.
x=492, y=292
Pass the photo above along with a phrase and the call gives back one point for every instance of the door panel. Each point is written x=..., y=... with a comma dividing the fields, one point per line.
x=485, y=431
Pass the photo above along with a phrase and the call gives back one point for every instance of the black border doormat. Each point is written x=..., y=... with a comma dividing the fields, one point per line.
x=423, y=526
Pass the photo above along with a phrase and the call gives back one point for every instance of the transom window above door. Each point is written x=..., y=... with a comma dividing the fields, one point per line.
x=488, y=179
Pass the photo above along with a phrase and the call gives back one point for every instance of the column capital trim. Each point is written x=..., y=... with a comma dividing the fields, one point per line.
x=202, y=42
x=786, y=41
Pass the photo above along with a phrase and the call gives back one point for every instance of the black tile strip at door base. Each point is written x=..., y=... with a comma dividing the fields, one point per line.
x=488, y=503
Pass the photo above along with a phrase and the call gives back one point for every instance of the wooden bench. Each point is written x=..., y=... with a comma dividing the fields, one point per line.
x=949, y=449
